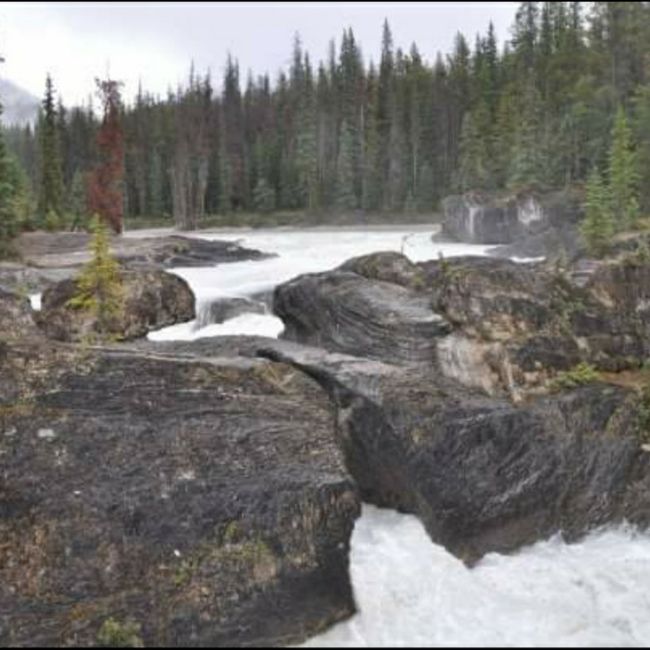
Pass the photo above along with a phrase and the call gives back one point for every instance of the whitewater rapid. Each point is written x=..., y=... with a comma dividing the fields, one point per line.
x=410, y=592
x=296, y=252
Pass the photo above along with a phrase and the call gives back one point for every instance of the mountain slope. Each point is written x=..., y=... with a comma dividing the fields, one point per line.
x=20, y=106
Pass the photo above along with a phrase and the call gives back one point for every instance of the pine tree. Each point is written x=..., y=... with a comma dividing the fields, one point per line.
x=50, y=204
x=15, y=203
x=306, y=146
x=623, y=175
x=642, y=138
x=597, y=227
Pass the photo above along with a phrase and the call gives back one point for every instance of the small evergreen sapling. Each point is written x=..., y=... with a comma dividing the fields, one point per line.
x=99, y=288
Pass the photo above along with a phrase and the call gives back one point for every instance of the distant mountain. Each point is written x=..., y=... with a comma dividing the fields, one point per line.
x=20, y=106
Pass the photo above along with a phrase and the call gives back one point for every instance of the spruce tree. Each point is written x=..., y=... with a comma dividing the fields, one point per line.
x=642, y=138
x=597, y=227
x=50, y=204
x=306, y=146
x=474, y=162
x=528, y=165
x=8, y=220
x=345, y=196
x=623, y=175
x=15, y=203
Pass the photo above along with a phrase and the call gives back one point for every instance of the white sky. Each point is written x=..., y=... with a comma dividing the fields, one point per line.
x=156, y=42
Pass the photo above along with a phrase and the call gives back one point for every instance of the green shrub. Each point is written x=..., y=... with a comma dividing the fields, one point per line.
x=114, y=634
x=580, y=375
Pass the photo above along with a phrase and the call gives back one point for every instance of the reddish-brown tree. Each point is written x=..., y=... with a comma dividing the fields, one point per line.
x=106, y=182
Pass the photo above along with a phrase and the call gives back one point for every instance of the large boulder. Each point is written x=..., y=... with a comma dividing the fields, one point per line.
x=343, y=311
x=176, y=501
x=436, y=431
x=483, y=474
x=152, y=300
x=526, y=322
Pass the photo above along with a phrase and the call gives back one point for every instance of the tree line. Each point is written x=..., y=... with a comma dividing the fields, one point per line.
x=394, y=137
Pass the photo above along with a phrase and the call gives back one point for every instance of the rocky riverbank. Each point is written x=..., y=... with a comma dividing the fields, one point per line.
x=48, y=258
x=204, y=493
x=528, y=224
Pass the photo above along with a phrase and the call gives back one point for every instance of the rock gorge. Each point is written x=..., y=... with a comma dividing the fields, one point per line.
x=206, y=491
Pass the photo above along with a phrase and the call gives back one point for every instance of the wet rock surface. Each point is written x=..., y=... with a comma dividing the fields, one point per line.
x=482, y=474
x=202, y=490
x=342, y=311
x=195, y=501
x=465, y=434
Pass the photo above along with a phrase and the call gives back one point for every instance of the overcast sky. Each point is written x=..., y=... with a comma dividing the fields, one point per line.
x=156, y=42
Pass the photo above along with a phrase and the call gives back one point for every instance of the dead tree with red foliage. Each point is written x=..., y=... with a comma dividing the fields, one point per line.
x=106, y=182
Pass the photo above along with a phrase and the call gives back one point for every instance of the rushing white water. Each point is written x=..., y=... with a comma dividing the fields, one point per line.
x=35, y=300
x=410, y=592
x=297, y=252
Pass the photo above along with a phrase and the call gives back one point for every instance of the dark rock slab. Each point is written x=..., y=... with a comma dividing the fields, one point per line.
x=483, y=474
x=342, y=311
x=203, y=500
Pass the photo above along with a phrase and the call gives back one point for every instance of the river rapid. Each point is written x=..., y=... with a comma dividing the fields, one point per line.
x=409, y=591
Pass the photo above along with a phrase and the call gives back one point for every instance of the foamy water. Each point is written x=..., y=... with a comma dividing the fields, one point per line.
x=297, y=252
x=410, y=592
x=36, y=301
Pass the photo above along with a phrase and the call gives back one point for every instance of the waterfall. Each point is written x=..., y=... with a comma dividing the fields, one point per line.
x=473, y=210
x=530, y=211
